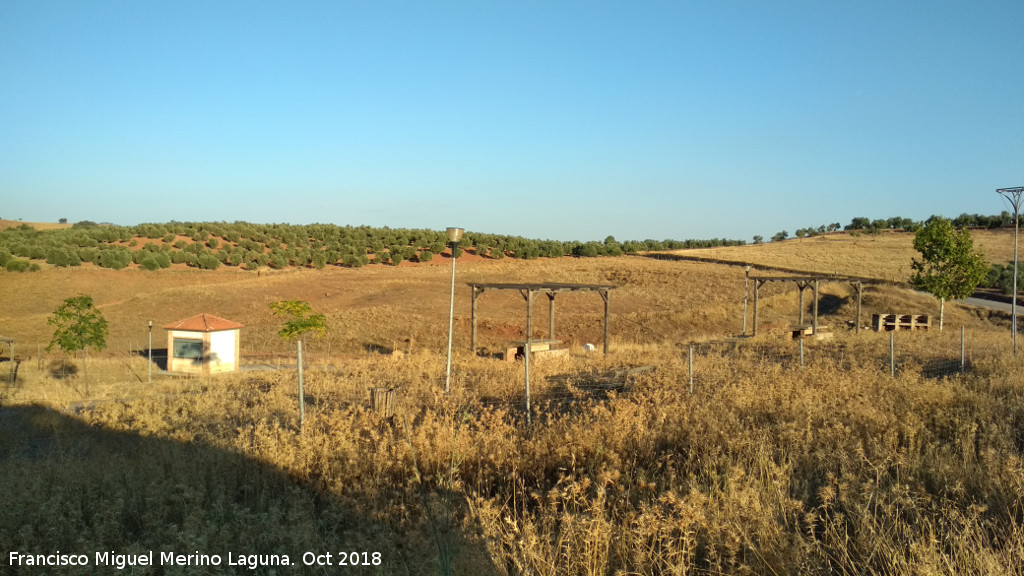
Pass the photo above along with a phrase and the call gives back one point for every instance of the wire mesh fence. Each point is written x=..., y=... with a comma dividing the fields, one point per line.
x=927, y=354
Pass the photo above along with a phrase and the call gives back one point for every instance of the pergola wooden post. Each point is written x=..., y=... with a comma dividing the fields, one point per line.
x=814, y=327
x=472, y=314
x=802, y=286
x=604, y=296
x=551, y=316
x=859, y=287
x=528, y=295
x=757, y=288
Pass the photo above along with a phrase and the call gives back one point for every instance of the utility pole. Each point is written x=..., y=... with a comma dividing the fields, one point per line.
x=1014, y=196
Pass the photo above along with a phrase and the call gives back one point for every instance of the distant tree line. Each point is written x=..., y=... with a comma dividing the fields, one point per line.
x=209, y=245
x=862, y=225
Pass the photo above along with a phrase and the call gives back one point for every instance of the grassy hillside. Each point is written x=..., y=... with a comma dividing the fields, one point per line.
x=886, y=255
x=5, y=224
x=376, y=308
x=770, y=466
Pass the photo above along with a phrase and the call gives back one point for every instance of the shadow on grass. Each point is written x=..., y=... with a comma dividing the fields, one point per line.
x=63, y=368
x=159, y=357
x=78, y=488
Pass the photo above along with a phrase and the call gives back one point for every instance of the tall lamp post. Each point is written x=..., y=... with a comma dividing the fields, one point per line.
x=1014, y=196
x=454, y=235
x=150, y=351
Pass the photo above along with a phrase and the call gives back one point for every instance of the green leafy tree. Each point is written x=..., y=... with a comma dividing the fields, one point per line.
x=300, y=320
x=78, y=326
x=949, y=267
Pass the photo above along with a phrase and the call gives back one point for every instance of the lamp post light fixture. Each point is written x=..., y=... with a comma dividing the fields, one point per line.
x=150, y=351
x=1014, y=196
x=454, y=236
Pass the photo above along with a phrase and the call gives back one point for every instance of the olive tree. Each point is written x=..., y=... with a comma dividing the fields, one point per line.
x=949, y=267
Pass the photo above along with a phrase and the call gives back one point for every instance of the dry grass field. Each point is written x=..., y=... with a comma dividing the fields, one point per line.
x=5, y=224
x=768, y=466
x=885, y=256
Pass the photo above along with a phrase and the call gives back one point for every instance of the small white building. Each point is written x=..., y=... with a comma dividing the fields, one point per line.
x=203, y=344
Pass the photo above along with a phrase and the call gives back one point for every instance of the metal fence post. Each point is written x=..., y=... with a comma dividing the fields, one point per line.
x=302, y=399
x=892, y=354
x=691, y=369
x=963, y=347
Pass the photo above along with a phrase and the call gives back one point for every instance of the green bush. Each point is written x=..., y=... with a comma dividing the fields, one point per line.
x=208, y=261
x=15, y=265
x=425, y=256
x=149, y=262
x=114, y=258
x=588, y=250
x=58, y=257
x=278, y=261
x=88, y=254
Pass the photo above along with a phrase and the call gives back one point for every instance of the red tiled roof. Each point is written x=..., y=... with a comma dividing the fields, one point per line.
x=203, y=323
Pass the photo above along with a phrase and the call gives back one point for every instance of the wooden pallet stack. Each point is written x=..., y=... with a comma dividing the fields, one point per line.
x=890, y=322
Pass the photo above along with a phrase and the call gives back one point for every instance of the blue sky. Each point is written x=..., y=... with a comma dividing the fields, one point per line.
x=563, y=120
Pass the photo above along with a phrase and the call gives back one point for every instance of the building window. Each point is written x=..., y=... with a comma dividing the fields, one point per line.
x=192, y=349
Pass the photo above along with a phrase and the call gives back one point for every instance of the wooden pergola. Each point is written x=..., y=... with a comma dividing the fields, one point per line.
x=803, y=283
x=528, y=291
